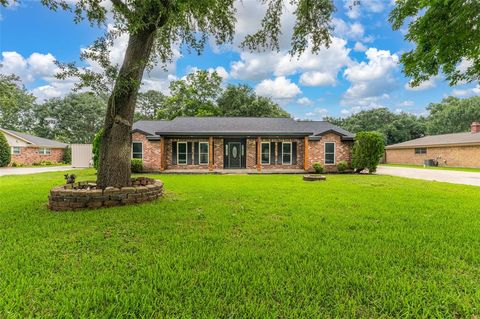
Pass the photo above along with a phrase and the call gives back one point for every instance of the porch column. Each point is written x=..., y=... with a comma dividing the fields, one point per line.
x=305, y=158
x=162, y=154
x=210, y=153
x=259, y=155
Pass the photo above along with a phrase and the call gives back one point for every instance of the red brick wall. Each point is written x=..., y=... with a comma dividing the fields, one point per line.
x=343, y=151
x=29, y=155
x=461, y=156
x=151, y=152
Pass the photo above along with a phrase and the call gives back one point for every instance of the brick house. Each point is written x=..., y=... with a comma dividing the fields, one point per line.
x=27, y=149
x=458, y=149
x=221, y=143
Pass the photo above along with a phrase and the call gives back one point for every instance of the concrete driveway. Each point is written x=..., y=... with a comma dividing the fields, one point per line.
x=455, y=177
x=33, y=170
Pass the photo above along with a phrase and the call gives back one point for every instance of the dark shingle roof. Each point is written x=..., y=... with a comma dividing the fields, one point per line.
x=437, y=140
x=35, y=140
x=238, y=126
x=149, y=127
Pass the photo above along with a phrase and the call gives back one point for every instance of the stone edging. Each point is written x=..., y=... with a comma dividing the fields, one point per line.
x=67, y=197
x=312, y=178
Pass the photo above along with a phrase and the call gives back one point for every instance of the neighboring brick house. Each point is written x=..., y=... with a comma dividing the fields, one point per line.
x=458, y=149
x=218, y=143
x=28, y=149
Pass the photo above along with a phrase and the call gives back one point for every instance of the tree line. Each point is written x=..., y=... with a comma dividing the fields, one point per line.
x=76, y=117
x=451, y=115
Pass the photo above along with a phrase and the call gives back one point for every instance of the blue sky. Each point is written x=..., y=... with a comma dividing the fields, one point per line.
x=359, y=71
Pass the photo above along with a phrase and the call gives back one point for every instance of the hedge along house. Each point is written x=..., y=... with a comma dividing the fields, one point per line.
x=240, y=143
x=458, y=149
x=28, y=149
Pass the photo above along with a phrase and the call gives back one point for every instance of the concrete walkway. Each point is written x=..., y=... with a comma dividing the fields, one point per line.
x=455, y=177
x=33, y=170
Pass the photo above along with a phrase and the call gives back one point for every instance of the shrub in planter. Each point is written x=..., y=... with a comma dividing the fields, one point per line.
x=367, y=151
x=318, y=167
x=136, y=165
x=342, y=166
x=67, y=155
x=5, y=156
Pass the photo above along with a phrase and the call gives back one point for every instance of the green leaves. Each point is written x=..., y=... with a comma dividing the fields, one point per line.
x=446, y=33
x=367, y=151
x=4, y=151
x=16, y=104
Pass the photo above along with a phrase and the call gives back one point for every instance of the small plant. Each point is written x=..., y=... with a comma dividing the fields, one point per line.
x=5, y=156
x=342, y=166
x=136, y=165
x=15, y=164
x=37, y=164
x=318, y=167
x=70, y=178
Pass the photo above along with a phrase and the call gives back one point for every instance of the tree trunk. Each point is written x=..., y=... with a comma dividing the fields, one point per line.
x=115, y=147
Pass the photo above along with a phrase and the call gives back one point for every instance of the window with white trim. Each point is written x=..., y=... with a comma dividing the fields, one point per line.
x=182, y=153
x=203, y=152
x=137, y=150
x=330, y=153
x=15, y=150
x=286, y=153
x=265, y=153
x=421, y=150
x=44, y=151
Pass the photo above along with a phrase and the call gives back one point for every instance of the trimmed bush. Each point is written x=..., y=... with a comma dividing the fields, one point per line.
x=67, y=155
x=96, y=148
x=136, y=165
x=318, y=167
x=367, y=151
x=5, y=155
x=342, y=166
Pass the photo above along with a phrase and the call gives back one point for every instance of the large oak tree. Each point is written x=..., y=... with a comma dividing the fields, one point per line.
x=155, y=28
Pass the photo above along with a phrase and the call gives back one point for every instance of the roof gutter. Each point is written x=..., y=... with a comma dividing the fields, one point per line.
x=233, y=133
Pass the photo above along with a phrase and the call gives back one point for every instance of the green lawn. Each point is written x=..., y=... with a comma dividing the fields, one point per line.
x=446, y=168
x=246, y=246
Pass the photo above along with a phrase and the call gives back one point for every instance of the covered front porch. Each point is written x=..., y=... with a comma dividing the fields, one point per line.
x=233, y=171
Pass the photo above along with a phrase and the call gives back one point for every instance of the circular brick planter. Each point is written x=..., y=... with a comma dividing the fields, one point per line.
x=312, y=178
x=83, y=195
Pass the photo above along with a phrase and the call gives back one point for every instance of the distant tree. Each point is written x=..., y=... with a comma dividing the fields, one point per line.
x=403, y=128
x=97, y=140
x=149, y=104
x=16, y=104
x=193, y=96
x=72, y=119
x=367, y=151
x=5, y=155
x=396, y=127
x=453, y=115
x=241, y=100
x=445, y=33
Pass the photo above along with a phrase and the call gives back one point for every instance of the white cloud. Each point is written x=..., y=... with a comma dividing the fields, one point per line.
x=317, y=79
x=467, y=92
x=359, y=47
x=318, y=113
x=280, y=88
x=259, y=66
x=370, y=82
x=359, y=108
x=353, y=31
x=220, y=71
x=406, y=103
x=304, y=101
x=355, y=8
x=430, y=83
